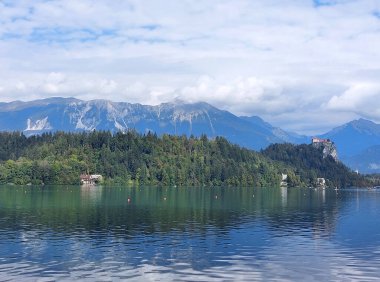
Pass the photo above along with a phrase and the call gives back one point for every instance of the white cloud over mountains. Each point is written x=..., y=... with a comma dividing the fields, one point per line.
x=304, y=65
x=361, y=98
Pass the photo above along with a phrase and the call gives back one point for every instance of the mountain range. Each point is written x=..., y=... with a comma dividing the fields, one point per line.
x=358, y=142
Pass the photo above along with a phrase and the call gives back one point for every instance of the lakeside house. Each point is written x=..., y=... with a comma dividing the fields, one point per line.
x=321, y=182
x=90, y=179
x=284, y=180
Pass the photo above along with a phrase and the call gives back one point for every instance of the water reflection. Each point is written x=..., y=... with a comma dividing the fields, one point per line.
x=91, y=194
x=188, y=233
x=284, y=196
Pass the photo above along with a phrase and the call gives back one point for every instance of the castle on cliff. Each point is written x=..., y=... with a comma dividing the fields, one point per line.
x=316, y=140
x=327, y=145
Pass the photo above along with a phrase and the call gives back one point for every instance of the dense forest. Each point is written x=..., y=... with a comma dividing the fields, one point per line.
x=309, y=164
x=134, y=159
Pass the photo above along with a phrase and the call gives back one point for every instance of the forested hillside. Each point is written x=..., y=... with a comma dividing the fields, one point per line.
x=134, y=159
x=309, y=164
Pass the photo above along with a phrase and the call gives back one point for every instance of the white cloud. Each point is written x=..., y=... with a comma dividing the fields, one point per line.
x=361, y=98
x=108, y=86
x=53, y=84
x=374, y=166
x=274, y=58
x=241, y=96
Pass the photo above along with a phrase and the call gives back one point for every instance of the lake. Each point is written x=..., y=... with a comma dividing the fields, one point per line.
x=204, y=234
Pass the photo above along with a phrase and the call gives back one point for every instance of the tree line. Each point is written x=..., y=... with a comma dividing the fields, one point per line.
x=147, y=159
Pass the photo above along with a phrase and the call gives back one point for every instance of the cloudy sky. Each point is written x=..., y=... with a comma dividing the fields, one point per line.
x=303, y=65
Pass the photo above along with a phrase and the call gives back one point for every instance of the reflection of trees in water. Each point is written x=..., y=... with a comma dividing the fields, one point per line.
x=196, y=225
x=151, y=209
x=307, y=209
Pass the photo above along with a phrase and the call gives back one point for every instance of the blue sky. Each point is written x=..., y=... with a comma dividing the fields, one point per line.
x=303, y=65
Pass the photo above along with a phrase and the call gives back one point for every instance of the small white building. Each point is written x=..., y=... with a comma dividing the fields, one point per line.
x=321, y=182
x=284, y=180
x=90, y=179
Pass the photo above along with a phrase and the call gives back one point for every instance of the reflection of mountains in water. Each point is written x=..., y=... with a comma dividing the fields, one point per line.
x=149, y=210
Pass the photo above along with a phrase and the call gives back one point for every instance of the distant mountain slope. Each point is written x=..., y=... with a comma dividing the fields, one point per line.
x=276, y=132
x=367, y=161
x=354, y=137
x=68, y=114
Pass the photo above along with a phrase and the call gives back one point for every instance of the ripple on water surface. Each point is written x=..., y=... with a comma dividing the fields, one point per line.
x=203, y=234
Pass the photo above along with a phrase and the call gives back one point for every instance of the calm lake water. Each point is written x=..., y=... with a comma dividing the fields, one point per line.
x=203, y=234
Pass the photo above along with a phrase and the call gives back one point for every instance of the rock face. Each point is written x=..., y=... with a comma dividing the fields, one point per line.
x=329, y=148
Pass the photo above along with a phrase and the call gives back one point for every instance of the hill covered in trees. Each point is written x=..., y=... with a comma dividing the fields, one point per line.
x=309, y=163
x=134, y=159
